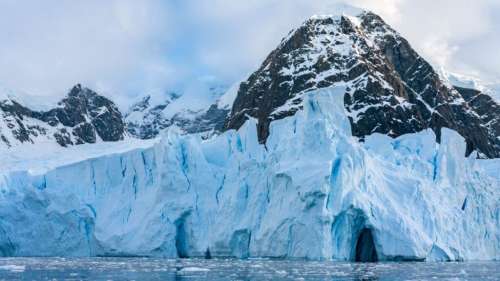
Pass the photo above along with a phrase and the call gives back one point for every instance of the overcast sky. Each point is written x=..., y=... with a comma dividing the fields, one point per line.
x=126, y=47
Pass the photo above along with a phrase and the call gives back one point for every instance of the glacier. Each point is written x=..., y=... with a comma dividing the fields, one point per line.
x=313, y=191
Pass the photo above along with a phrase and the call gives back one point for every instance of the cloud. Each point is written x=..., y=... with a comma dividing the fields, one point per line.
x=48, y=46
x=231, y=38
x=126, y=47
x=461, y=35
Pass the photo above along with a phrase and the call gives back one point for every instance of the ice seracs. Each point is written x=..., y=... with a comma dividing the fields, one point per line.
x=312, y=192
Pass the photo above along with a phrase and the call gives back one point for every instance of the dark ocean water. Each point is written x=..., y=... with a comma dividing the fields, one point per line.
x=145, y=269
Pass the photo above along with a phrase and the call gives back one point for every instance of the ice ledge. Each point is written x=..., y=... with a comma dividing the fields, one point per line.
x=46, y=156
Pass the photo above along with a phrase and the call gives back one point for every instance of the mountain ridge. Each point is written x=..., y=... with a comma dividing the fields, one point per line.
x=391, y=89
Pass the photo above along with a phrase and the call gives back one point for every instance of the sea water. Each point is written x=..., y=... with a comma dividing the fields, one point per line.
x=146, y=269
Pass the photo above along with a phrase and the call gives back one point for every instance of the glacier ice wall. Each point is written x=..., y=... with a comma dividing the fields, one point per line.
x=313, y=191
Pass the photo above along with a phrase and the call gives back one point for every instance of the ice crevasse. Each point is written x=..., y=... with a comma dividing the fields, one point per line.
x=312, y=191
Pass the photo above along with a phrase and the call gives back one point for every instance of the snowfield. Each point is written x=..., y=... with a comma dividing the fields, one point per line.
x=313, y=191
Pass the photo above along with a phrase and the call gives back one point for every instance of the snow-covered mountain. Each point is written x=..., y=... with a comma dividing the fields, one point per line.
x=82, y=116
x=154, y=113
x=390, y=88
x=349, y=146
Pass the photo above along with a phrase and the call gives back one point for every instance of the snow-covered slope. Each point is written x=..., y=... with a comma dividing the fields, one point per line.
x=151, y=115
x=463, y=81
x=34, y=102
x=310, y=193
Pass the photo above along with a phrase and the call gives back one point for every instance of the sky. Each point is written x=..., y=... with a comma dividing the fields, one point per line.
x=125, y=48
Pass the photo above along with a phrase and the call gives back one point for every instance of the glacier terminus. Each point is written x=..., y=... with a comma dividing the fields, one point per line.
x=344, y=145
x=313, y=191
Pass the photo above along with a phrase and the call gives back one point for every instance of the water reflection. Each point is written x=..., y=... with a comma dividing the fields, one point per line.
x=365, y=272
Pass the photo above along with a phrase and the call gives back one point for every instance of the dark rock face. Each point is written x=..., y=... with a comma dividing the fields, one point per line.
x=488, y=112
x=82, y=116
x=390, y=88
x=89, y=114
x=13, y=116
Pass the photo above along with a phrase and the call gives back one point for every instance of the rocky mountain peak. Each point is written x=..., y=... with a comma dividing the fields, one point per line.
x=390, y=89
x=77, y=89
x=83, y=116
x=323, y=51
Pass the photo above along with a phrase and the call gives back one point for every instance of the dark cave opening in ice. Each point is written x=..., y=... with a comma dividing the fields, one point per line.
x=365, y=247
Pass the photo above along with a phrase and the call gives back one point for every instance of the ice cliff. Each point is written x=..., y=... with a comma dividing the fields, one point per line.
x=312, y=191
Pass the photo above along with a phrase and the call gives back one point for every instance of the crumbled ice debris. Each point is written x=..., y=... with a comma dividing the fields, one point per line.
x=13, y=268
x=194, y=269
